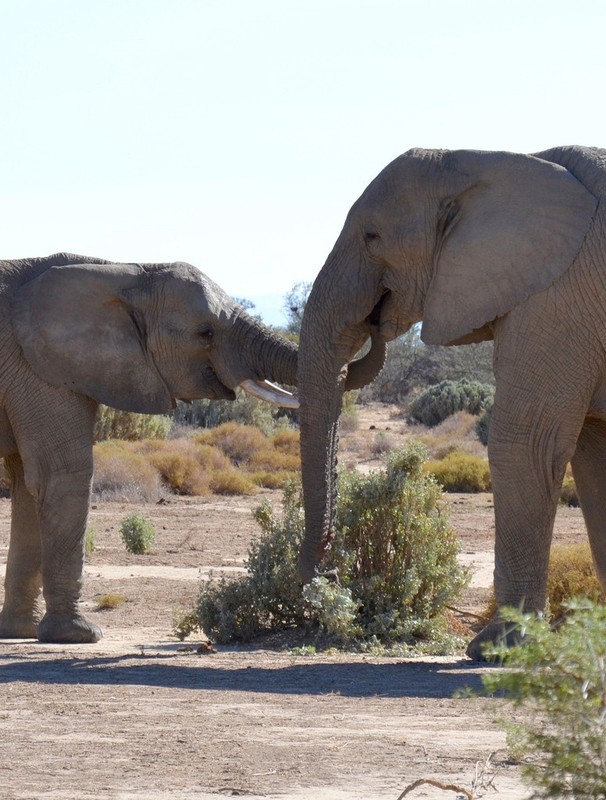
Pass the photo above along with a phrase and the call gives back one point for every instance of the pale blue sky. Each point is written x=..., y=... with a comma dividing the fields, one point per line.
x=236, y=134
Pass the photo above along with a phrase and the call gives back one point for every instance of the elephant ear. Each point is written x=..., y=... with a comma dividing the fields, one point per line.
x=79, y=331
x=512, y=226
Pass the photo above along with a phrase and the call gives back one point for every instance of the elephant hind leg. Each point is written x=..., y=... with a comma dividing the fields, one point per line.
x=19, y=616
x=589, y=470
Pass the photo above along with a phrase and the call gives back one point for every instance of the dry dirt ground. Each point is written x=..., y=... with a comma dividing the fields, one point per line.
x=140, y=716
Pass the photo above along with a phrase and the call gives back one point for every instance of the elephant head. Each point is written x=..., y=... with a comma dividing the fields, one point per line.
x=453, y=238
x=140, y=336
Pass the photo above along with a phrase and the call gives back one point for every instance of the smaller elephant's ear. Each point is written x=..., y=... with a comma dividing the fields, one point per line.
x=77, y=331
x=513, y=226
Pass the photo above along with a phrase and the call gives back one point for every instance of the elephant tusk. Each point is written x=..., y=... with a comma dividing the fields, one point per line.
x=271, y=393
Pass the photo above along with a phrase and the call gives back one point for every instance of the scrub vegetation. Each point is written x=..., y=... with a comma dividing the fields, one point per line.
x=387, y=580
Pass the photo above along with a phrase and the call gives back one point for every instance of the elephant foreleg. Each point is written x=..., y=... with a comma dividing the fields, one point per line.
x=589, y=470
x=63, y=512
x=20, y=614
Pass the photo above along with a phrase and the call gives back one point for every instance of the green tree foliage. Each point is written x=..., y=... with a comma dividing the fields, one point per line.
x=295, y=301
x=558, y=679
x=114, y=424
x=438, y=402
x=410, y=364
x=245, y=410
x=394, y=554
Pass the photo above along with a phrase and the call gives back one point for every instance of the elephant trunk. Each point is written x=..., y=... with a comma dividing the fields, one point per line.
x=364, y=370
x=319, y=428
x=265, y=357
x=334, y=327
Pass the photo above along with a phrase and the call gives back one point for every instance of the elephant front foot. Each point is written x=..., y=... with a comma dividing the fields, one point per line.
x=496, y=633
x=68, y=630
x=18, y=626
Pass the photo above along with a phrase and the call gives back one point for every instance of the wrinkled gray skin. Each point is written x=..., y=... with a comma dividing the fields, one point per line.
x=76, y=332
x=478, y=245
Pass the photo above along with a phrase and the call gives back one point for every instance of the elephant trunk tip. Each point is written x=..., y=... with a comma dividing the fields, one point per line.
x=308, y=563
x=306, y=571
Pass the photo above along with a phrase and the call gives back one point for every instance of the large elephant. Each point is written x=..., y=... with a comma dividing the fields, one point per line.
x=477, y=245
x=76, y=332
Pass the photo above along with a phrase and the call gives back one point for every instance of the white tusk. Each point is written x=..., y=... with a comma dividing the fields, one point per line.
x=271, y=393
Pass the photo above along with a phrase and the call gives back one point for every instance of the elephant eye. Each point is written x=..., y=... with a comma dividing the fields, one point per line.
x=206, y=335
x=371, y=236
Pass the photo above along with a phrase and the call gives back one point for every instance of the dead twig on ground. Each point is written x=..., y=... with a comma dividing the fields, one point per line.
x=448, y=787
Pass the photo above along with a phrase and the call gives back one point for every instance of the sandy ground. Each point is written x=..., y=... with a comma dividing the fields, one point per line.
x=140, y=716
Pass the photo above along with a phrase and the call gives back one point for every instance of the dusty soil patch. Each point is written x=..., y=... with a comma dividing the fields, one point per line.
x=139, y=716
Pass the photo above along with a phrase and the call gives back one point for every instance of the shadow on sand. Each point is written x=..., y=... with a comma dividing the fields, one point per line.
x=352, y=679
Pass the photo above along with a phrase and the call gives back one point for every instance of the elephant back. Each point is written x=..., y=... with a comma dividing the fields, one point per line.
x=587, y=164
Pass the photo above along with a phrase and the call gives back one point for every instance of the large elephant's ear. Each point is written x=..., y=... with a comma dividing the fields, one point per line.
x=78, y=331
x=512, y=227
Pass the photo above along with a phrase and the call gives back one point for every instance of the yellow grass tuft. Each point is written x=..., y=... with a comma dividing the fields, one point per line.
x=571, y=574
x=108, y=602
x=232, y=481
x=461, y=472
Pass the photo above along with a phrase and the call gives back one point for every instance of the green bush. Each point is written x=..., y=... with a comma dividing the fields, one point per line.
x=461, y=472
x=558, y=679
x=269, y=596
x=393, y=552
x=114, y=424
x=245, y=410
x=438, y=402
x=137, y=533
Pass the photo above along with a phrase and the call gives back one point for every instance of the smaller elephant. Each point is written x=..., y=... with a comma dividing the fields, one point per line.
x=76, y=332
x=477, y=245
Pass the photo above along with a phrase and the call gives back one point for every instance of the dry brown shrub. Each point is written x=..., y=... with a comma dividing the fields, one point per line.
x=270, y=459
x=286, y=441
x=232, y=481
x=359, y=445
x=124, y=475
x=272, y=480
x=383, y=442
x=571, y=574
x=456, y=432
x=211, y=458
x=238, y=442
x=349, y=423
x=177, y=462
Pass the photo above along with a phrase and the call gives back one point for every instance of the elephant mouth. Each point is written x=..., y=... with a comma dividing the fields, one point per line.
x=215, y=389
x=209, y=386
x=386, y=319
